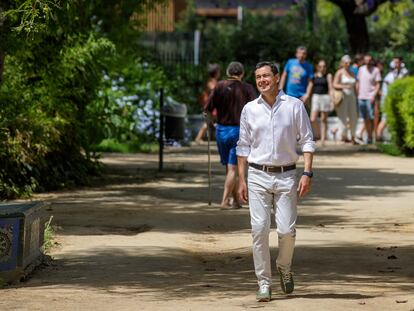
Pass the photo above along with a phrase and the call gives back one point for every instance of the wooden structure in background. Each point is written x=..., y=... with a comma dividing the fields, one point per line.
x=162, y=17
x=228, y=9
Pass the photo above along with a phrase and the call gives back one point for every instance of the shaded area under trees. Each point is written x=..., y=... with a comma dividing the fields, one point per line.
x=53, y=56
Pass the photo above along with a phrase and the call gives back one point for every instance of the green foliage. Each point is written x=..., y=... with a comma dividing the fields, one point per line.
x=186, y=83
x=278, y=38
x=393, y=25
x=42, y=124
x=390, y=149
x=399, y=106
x=128, y=103
x=392, y=32
x=332, y=29
x=260, y=37
x=32, y=16
x=56, y=55
x=113, y=145
x=49, y=234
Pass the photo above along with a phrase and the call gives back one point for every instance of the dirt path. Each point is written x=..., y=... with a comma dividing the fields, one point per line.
x=142, y=240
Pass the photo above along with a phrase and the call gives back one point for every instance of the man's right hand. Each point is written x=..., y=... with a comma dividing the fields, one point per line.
x=243, y=196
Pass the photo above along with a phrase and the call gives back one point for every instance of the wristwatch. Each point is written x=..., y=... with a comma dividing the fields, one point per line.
x=309, y=174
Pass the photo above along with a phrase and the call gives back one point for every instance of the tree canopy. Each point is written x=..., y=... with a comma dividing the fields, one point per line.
x=54, y=55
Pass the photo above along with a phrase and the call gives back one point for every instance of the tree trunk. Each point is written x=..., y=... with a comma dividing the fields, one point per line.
x=355, y=12
x=356, y=26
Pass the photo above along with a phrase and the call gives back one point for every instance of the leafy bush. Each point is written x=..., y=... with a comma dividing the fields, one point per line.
x=399, y=106
x=54, y=102
x=42, y=125
x=127, y=107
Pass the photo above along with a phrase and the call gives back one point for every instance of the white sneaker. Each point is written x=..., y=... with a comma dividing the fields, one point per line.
x=264, y=294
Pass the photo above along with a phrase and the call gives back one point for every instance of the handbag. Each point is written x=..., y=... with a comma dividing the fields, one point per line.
x=338, y=97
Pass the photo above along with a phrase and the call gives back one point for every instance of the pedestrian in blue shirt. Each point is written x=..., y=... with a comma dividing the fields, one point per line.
x=297, y=76
x=358, y=62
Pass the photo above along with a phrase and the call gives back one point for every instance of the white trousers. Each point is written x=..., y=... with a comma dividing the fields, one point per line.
x=267, y=190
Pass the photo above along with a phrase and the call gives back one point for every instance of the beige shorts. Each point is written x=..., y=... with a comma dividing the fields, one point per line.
x=321, y=103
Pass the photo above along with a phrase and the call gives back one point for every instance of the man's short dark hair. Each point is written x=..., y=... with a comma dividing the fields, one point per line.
x=302, y=48
x=358, y=57
x=272, y=66
x=235, y=69
x=213, y=70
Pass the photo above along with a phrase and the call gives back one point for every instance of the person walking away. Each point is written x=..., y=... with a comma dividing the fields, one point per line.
x=368, y=86
x=297, y=76
x=322, y=101
x=396, y=73
x=270, y=128
x=345, y=81
x=213, y=77
x=229, y=98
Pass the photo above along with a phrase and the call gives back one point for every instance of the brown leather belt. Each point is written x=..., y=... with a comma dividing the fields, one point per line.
x=273, y=169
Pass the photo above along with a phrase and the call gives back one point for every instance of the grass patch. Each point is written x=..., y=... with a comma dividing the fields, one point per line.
x=390, y=149
x=112, y=145
x=49, y=234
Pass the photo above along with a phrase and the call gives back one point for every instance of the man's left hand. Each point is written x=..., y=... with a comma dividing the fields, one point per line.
x=304, y=185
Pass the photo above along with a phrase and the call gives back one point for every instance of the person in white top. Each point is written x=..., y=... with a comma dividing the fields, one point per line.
x=271, y=127
x=397, y=72
x=345, y=81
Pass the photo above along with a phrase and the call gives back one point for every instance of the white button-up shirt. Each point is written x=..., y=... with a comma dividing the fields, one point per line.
x=269, y=135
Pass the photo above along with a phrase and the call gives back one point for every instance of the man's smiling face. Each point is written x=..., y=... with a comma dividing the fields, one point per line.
x=266, y=80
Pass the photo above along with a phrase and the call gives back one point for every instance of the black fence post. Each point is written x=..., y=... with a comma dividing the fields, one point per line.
x=161, y=135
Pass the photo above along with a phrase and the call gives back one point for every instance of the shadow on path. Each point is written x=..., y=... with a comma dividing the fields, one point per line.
x=131, y=200
x=175, y=272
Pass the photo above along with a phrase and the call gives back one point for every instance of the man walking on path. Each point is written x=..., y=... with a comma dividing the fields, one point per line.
x=229, y=98
x=270, y=128
x=297, y=76
x=368, y=86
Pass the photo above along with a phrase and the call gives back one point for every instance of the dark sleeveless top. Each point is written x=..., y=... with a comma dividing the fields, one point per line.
x=320, y=85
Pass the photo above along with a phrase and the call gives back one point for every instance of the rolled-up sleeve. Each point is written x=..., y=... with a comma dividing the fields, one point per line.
x=304, y=130
x=243, y=145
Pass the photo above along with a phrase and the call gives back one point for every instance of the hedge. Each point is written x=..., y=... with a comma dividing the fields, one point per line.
x=399, y=107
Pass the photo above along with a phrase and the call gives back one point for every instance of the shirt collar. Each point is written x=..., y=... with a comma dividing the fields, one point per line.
x=280, y=97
